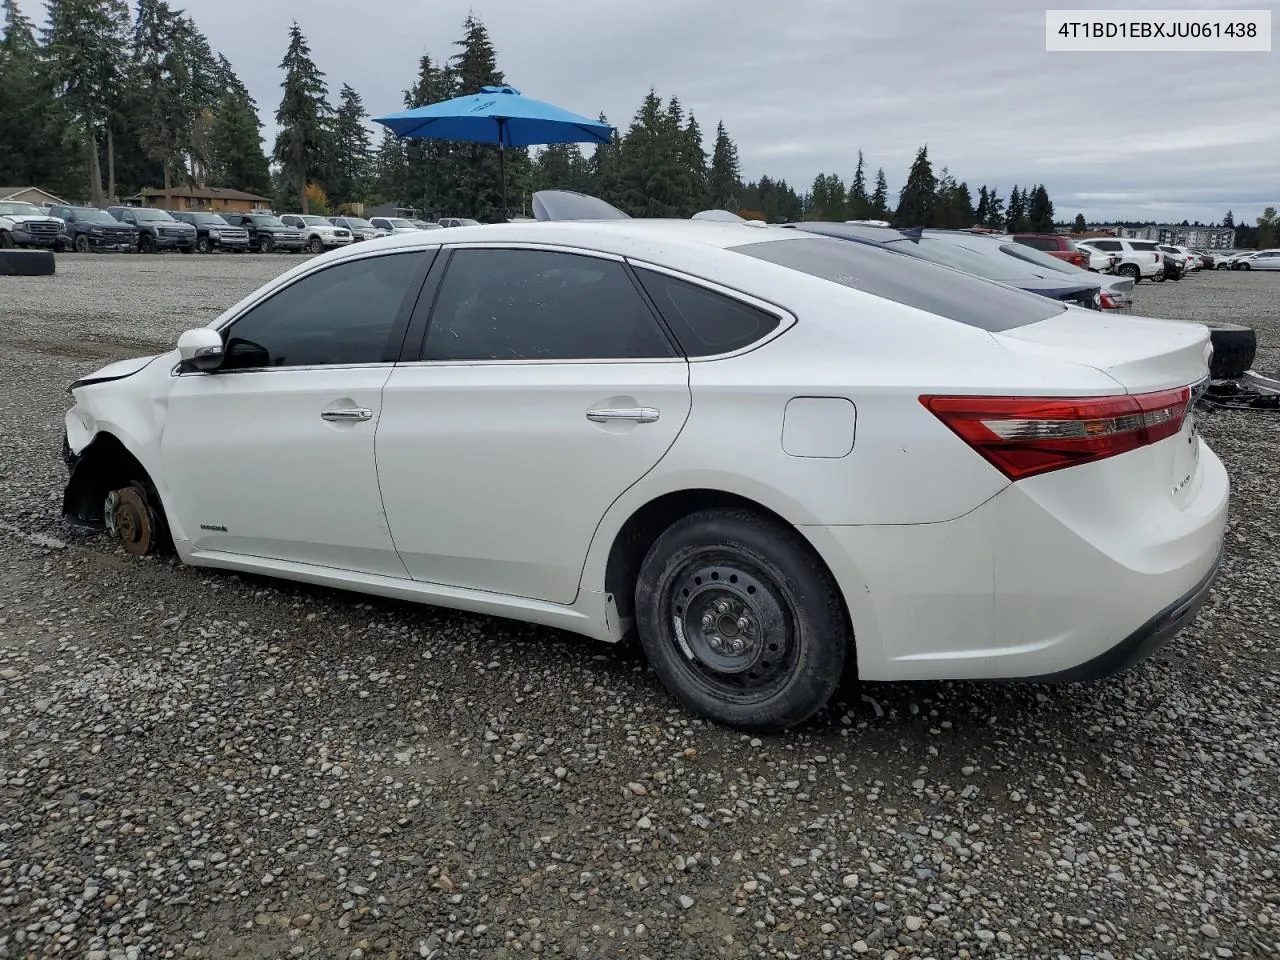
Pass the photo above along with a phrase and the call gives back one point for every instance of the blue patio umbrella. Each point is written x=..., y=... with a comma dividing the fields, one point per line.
x=499, y=115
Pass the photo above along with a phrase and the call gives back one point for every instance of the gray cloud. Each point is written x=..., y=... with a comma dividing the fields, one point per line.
x=802, y=85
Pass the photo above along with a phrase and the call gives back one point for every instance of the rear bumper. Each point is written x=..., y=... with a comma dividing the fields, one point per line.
x=1065, y=576
x=1144, y=641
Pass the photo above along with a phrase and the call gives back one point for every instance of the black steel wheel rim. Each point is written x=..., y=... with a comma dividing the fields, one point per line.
x=732, y=626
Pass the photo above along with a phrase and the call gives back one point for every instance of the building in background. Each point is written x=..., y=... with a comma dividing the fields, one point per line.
x=41, y=198
x=210, y=199
x=1199, y=238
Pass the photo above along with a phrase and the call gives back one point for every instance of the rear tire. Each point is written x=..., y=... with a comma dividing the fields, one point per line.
x=1243, y=266
x=6, y=240
x=741, y=620
x=1130, y=270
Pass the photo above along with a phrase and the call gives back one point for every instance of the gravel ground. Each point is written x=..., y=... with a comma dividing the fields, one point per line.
x=200, y=764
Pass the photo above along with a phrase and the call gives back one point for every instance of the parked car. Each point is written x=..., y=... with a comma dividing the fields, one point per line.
x=1181, y=256
x=922, y=245
x=426, y=224
x=88, y=229
x=386, y=226
x=317, y=232
x=213, y=232
x=26, y=225
x=1176, y=265
x=458, y=222
x=1099, y=262
x=721, y=500
x=1116, y=292
x=1056, y=245
x=267, y=232
x=1259, y=260
x=358, y=227
x=1139, y=259
x=157, y=230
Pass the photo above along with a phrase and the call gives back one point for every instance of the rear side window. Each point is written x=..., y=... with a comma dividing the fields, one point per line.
x=907, y=280
x=705, y=323
x=1110, y=245
x=1144, y=244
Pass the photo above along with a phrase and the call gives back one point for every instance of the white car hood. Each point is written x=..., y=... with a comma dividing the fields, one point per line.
x=27, y=218
x=115, y=371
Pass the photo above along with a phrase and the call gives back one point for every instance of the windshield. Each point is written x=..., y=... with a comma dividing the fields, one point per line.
x=268, y=222
x=209, y=219
x=915, y=283
x=361, y=224
x=311, y=220
x=18, y=208
x=85, y=215
x=152, y=215
x=399, y=224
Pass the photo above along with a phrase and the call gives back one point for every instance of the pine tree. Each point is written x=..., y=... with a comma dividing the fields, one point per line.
x=236, y=157
x=1079, y=226
x=32, y=124
x=352, y=149
x=561, y=166
x=478, y=187
x=390, y=170
x=83, y=44
x=980, y=215
x=1016, y=215
x=827, y=198
x=303, y=143
x=161, y=87
x=859, y=203
x=880, y=197
x=995, y=210
x=428, y=175
x=695, y=162
x=1040, y=211
x=1229, y=220
x=917, y=201
x=605, y=168
x=652, y=181
x=726, y=173
x=1268, y=229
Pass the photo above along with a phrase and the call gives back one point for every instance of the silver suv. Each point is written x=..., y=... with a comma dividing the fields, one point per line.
x=317, y=232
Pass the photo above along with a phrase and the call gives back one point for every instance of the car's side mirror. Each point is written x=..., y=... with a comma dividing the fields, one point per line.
x=200, y=349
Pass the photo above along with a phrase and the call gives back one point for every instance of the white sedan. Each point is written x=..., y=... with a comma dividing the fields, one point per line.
x=765, y=451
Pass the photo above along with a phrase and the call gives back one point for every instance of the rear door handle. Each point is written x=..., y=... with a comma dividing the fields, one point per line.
x=633, y=414
x=347, y=414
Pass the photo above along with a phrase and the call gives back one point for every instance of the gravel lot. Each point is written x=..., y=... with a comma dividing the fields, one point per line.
x=199, y=764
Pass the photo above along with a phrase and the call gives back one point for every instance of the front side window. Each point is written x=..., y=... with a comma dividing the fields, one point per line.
x=540, y=305
x=340, y=315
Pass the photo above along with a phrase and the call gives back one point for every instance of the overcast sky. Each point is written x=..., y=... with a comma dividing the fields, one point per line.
x=801, y=85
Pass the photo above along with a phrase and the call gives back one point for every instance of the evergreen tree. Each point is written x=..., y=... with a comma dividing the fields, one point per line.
x=1040, y=211
x=917, y=201
x=827, y=200
x=652, y=182
x=236, y=157
x=163, y=106
x=995, y=210
x=695, y=162
x=352, y=149
x=390, y=170
x=303, y=143
x=726, y=172
x=605, y=168
x=32, y=123
x=83, y=41
x=858, y=202
x=880, y=197
x=561, y=166
x=984, y=206
x=1079, y=226
x=1229, y=220
x=1268, y=229
x=477, y=190
x=427, y=180
x=1016, y=215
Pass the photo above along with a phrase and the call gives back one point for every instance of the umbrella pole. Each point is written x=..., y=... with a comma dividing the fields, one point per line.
x=502, y=163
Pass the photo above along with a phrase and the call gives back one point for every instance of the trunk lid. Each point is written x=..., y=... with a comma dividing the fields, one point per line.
x=1143, y=356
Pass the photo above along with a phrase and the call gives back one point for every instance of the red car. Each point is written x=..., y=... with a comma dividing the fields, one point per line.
x=1064, y=248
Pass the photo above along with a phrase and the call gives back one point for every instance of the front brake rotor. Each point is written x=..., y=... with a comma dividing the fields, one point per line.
x=129, y=518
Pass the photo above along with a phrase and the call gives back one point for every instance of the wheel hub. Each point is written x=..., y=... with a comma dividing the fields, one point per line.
x=729, y=622
x=128, y=518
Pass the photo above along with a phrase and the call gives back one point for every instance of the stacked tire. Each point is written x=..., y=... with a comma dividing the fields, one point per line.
x=26, y=263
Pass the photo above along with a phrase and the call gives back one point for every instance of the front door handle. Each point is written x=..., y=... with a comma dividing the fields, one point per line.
x=633, y=414
x=348, y=414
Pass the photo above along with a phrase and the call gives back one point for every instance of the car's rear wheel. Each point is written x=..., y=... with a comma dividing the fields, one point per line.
x=740, y=619
x=6, y=240
x=1130, y=270
x=1243, y=266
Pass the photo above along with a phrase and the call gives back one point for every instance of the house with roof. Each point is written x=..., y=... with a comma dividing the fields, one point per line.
x=41, y=198
x=211, y=199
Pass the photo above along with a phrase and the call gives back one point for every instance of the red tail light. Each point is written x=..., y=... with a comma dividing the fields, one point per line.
x=1108, y=302
x=1025, y=436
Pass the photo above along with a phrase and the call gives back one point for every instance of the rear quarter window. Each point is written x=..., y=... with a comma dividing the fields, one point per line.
x=705, y=323
x=907, y=280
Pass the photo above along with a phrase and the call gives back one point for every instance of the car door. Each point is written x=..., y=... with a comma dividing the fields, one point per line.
x=272, y=455
x=545, y=388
